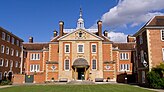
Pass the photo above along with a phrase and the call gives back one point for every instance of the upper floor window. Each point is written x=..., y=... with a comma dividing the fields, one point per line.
x=1, y=61
x=11, y=63
x=16, y=64
x=13, y=40
x=94, y=64
x=17, y=53
x=142, y=56
x=67, y=48
x=8, y=38
x=34, y=68
x=163, y=53
x=17, y=42
x=7, y=50
x=141, y=39
x=3, y=36
x=93, y=48
x=2, y=48
x=66, y=64
x=7, y=63
x=124, y=56
x=162, y=35
x=35, y=56
x=80, y=48
x=124, y=67
x=12, y=51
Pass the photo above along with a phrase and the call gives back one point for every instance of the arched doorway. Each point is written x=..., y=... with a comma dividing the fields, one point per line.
x=10, y=74
x=80, y=67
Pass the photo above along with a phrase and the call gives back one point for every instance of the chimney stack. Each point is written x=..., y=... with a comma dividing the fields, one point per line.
x=106, y=33
x=30, y=39
x=99, y=23
x=131, y=39
x=61, y=27
x=55, y=33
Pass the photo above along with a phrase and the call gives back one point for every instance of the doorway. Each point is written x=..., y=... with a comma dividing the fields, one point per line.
x=81, y=75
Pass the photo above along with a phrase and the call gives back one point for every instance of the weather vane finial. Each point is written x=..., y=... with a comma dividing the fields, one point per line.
x=80, y=12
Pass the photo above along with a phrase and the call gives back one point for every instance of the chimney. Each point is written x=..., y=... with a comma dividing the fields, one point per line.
x=131, y=39
x=99, y=23
x=61, y=27
x=55, y=33
x=106, y=33
x=30, y=39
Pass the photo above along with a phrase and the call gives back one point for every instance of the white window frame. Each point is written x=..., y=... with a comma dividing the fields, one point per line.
x=68, y=48
x=17, y=53
x=7, y=50
x=35, y=56
x=162, y=36
x=17, y=42
x=12, y=52
x=36, y=66
x=8, y=38
x=12, y=40
x=2, y=49
x=3, y=35
x=7, y=63
x=78, y=48
x=163, y=54
x=124, y=67
x=95, y=48
x=124, y=56
x=96, y=64
x=16, y=64
x=65, y=65
x=0, y=75
x=11, y=63
x=1, y=59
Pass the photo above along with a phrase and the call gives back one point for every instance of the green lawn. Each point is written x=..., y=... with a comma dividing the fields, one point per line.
x=74, y=88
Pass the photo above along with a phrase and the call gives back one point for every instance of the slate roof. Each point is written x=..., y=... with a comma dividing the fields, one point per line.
x=80, y=62
x=35, y=46
x=124, y=46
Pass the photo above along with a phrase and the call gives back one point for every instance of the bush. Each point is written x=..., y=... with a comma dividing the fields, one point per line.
x=155, y=77
x=6, y=82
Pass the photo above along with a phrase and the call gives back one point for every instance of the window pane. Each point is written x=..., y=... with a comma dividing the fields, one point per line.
x=93, y=64
x=93, y=48
x=66, y=48
x=80, y=48
x=66, y=64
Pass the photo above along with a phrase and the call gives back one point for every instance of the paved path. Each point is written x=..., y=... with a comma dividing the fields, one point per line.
x=6, y=86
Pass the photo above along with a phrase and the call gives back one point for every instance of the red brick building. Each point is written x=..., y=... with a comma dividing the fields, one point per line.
x=149, y=47
x=10, y=55
x=79, y=54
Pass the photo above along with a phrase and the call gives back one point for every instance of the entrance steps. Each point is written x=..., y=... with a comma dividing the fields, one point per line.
x=80, y=82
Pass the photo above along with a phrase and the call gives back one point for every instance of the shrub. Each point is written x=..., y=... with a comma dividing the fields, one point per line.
x=6, y=82
x=155, y=77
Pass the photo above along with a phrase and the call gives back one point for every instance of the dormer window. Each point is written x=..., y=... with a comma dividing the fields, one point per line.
x=80, y=34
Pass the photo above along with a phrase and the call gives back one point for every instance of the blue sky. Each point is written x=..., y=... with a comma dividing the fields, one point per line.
x=39, y=18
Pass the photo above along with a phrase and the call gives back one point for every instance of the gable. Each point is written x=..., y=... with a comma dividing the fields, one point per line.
x=80, y=34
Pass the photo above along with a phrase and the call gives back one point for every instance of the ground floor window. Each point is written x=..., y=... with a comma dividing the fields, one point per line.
x=66, y=65
x=143, y=76
x=0, y=75
x=34, y=68
x=94, y=64
x=124, y=67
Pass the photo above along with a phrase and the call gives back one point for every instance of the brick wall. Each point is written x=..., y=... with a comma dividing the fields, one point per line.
x=19, y=79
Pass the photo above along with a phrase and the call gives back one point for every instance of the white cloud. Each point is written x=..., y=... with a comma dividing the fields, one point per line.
x=133, y=12
x=117, y=36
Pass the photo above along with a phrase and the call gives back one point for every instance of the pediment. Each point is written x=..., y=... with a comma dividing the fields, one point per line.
x=80, y=34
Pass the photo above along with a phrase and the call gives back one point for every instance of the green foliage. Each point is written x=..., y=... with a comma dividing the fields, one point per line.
x=155, y=77
x=6, y=82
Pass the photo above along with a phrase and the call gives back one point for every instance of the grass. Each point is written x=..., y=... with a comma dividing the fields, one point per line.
x=74, y=88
